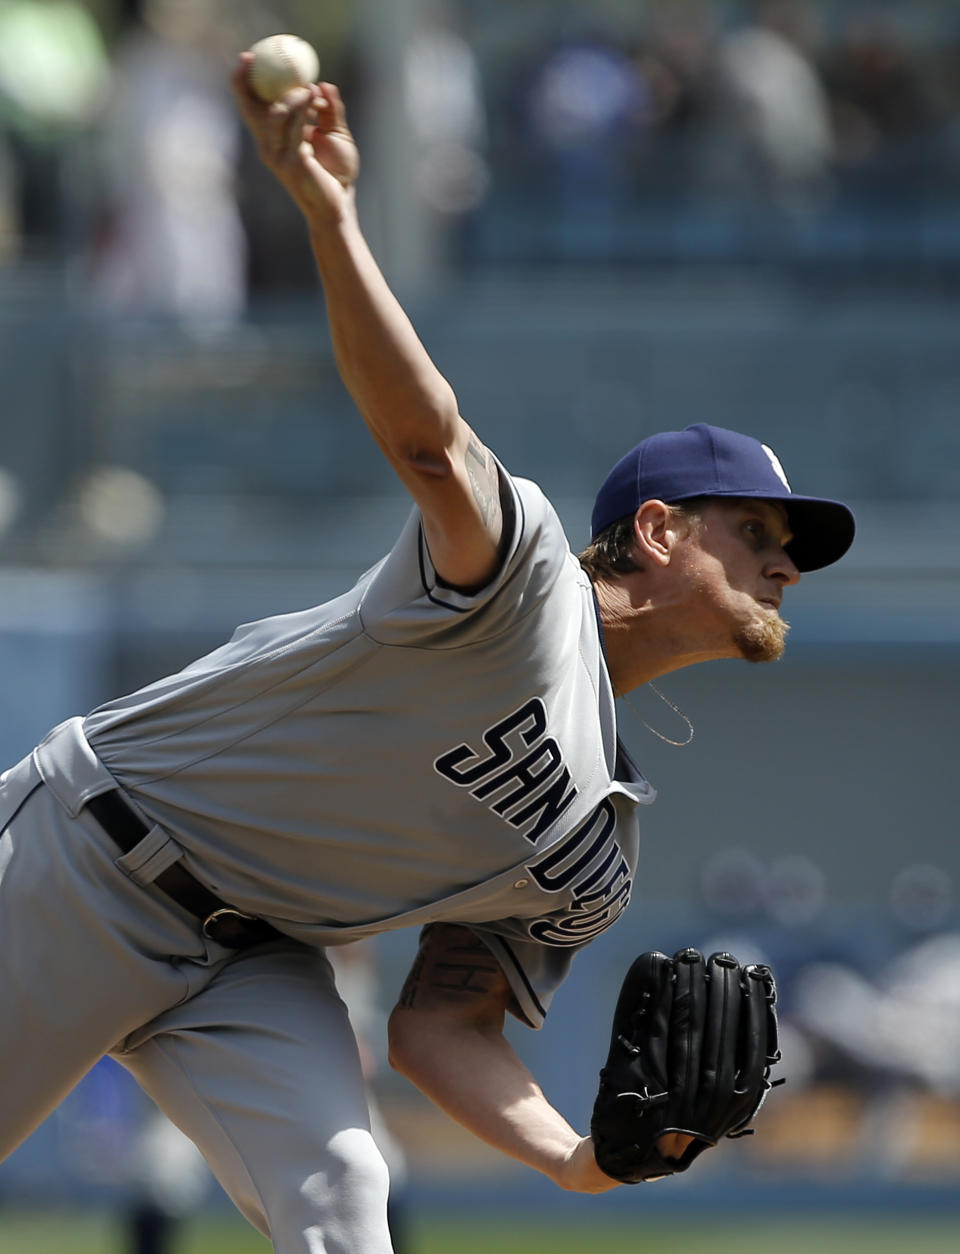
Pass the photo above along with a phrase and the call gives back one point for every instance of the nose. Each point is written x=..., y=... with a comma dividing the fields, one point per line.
x=783, y=569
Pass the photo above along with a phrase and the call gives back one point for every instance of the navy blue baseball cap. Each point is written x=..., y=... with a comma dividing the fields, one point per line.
x=711, y=461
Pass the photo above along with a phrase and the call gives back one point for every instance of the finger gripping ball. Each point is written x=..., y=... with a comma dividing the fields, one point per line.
x=280, y=63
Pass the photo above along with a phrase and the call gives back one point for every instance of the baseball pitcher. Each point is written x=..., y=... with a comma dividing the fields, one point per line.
x=436, y=748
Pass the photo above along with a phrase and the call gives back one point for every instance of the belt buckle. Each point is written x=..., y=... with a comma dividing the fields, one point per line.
x=228, y=927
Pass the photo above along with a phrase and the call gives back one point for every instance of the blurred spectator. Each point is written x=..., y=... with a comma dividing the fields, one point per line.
x=794, y=891
x=674, y=62
x=731, y=884
x=53, y=81
x=170, y=1182
x=921, y=897
x=9, y=209
x=889, y=1030
x=901, y=1027
x=588, y=110
x=775, y=133
x=112, y=1136
x=444, y=104
x=877, y=89
x=172, y=243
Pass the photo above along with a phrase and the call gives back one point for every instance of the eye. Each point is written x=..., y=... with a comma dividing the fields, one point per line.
x=755, y=529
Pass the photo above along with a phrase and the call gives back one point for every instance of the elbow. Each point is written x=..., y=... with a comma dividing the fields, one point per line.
x=429, y=446
x=445, y=407
x=417, y=1039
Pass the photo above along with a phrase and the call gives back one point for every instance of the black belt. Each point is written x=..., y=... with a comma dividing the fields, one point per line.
x=220, y=922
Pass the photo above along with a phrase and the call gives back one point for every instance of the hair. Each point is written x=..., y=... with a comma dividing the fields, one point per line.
x=613, y=551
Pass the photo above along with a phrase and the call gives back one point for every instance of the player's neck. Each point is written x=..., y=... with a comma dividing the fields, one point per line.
x=643, y=634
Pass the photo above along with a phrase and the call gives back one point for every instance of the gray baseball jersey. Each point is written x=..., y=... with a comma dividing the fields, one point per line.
x=401, y=755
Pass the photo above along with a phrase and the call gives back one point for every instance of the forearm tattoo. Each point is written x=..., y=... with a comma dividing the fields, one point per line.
x=408, y=994
x=466, y=968
x=484, y=480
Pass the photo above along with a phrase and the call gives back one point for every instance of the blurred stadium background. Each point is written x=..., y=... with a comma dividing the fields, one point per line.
x=606, y=218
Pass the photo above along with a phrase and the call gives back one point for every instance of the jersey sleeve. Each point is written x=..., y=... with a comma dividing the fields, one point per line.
x=405, y=603
x=534, y=970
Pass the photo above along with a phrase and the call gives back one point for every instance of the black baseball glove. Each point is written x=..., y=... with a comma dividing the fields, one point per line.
x=691, y=1051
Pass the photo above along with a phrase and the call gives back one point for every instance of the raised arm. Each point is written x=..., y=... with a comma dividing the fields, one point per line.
x=409, y=407
x=446, y=1037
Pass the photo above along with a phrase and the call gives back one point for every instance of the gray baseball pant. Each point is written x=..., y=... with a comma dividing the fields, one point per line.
x=250, y=1053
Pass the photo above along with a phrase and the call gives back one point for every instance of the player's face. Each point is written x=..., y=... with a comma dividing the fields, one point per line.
x=738, y=569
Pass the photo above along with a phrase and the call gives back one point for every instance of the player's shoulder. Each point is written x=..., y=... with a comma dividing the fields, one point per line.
x=535, y=515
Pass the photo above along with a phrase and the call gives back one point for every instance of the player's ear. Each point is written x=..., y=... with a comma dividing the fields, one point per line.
x=653, y=533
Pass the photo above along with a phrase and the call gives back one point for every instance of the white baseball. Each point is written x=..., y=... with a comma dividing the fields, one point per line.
x=280, y=63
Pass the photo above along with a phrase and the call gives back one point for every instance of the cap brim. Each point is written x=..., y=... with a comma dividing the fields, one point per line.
x=822, y=531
